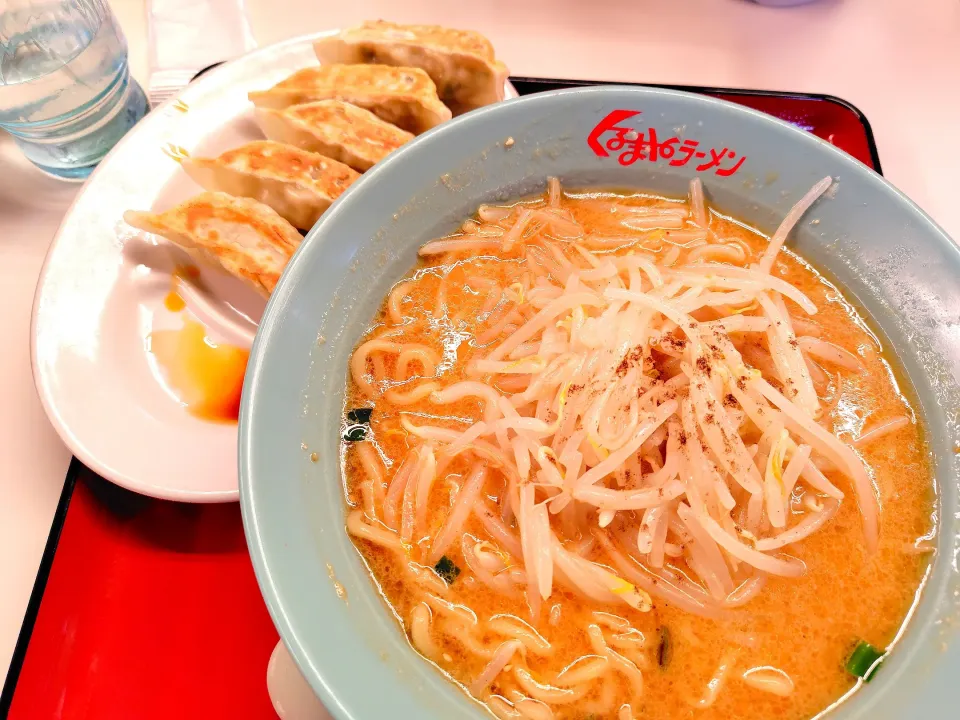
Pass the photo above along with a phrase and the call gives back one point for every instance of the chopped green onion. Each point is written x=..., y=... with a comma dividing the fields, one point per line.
x=665, y=648
x=358, y=423
x=864, y=660
x=359, y=416
x=447, y=569
x=355, y=433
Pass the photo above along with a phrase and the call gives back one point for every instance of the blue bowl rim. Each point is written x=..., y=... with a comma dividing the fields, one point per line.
x=292, y=276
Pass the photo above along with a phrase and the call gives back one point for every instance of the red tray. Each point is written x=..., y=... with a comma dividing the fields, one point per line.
x=149, y=610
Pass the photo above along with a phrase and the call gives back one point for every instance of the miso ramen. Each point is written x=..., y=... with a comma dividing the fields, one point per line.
x=615, y=455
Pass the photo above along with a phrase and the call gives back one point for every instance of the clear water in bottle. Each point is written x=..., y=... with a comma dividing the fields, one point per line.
x=66, y=94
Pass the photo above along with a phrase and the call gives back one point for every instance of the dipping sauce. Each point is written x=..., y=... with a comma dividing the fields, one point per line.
x=174, y=301
x=206, y=376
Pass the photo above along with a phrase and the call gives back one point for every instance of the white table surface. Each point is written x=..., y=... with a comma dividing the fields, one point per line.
x=895, y=60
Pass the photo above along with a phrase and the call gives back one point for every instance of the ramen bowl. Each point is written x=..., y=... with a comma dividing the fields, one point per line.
x=886, y=255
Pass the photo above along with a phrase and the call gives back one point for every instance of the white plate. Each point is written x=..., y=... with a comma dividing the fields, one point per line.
x=102, y=288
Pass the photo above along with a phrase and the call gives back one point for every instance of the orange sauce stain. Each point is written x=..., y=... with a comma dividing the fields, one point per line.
x=174, y=301
x=206, y=376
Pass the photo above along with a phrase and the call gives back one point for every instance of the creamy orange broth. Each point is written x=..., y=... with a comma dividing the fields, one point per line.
x=805, y=626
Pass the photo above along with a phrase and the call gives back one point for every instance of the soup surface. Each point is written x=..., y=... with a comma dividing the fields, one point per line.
x=597, y=471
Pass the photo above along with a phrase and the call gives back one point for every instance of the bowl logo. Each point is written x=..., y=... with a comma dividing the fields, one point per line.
x=631, y=145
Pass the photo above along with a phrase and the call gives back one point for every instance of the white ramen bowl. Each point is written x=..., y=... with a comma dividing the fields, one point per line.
x=885, y=254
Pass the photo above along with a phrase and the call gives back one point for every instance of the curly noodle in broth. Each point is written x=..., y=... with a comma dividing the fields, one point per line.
x=615, y=455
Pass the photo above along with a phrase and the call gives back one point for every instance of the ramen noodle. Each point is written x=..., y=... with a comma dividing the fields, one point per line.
x=615, y=455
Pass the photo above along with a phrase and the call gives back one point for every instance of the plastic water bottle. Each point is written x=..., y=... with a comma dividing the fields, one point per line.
x=66, y=95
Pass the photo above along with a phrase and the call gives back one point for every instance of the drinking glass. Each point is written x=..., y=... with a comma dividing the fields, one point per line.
x=66, y=94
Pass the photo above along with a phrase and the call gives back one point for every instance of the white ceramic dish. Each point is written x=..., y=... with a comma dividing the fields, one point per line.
x=102, y=289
